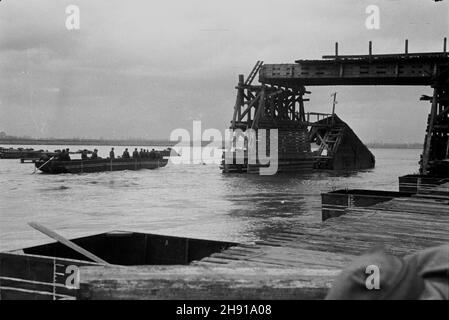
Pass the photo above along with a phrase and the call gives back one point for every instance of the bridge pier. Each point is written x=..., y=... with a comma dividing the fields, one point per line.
x=435, y=157
x=270, y=107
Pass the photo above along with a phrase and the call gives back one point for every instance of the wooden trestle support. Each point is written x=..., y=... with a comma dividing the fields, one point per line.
x=271, y=107
x=265, y=107
x=435, y=156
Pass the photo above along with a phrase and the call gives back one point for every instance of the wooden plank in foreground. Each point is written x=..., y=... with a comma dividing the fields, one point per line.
x=298, y=264
x=203, y=283
x=66, y=242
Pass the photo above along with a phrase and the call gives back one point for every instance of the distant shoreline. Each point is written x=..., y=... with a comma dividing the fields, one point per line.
x=93, y=142
x=395, y=145
x=159, y=143
x=88, y=142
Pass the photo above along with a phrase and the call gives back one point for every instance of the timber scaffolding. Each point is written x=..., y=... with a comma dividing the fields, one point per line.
x=278, y=103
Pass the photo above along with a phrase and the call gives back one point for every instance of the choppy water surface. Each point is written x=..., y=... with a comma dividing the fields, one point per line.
x=182, y=200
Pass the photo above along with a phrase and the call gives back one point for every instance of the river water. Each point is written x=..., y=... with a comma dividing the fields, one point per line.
x=192, y=200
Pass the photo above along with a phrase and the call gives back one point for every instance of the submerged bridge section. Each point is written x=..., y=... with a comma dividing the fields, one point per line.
x=278, y=101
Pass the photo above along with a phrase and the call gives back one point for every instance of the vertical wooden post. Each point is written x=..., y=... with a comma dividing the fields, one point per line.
x=238, y=101
x=333, y=106
x=336, y=49
x=260, y=110
x=428, y=140
x=293, y=116
x=248, y=116
x=262, y=103
x=406, y=46
x=241, y=95
x=302, y=115
x=445, y=45
x=370, y=49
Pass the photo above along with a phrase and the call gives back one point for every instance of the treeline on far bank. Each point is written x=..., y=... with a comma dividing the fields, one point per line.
x=157, y=142
x=381, y=145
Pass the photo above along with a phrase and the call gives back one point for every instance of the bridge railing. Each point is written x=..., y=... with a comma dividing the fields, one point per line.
x=318, y=117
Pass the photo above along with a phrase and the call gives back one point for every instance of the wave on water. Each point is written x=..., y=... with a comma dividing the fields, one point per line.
x=56, y=188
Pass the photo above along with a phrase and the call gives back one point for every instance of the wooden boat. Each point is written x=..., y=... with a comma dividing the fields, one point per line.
x=98, y=165
x=424, y=184
x=335, y=203
x=43, y=272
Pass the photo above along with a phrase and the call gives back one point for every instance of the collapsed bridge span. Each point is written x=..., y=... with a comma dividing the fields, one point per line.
x=278, y=102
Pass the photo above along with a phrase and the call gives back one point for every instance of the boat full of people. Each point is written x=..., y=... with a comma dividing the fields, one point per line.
x=62, y=163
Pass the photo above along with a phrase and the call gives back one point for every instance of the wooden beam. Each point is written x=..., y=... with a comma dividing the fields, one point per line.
x=250, y=105
x=260, y=110
x=327, y=73
x=238, y=101
x=386, y=55
x=428, y=139
x=66, y=242
x=204, y=283
x=323, y=142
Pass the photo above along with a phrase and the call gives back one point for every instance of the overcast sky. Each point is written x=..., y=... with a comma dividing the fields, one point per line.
x=143, y=68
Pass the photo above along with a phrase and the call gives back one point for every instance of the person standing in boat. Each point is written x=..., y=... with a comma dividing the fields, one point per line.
x=125, y=154
x=60, y=155
x=135, y=154
x=84, y=155
x=112, y=154
x=67, y=155
x=94, y=155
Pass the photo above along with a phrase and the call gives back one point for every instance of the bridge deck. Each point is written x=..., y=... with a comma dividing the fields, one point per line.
x=392, y=69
